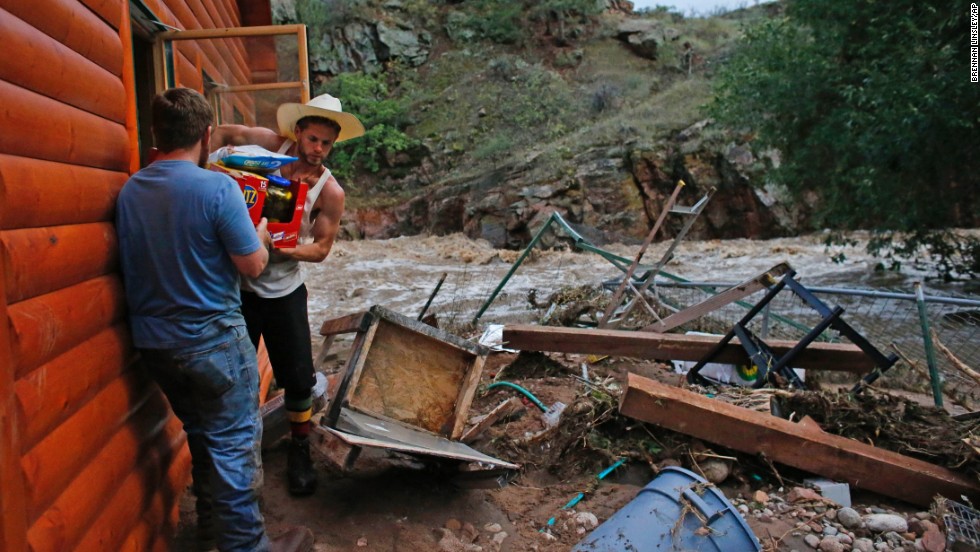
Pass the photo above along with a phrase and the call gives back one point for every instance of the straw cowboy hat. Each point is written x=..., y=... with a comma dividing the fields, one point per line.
x=323, y=105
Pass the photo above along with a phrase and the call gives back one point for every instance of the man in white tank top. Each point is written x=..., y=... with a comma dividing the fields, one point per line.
x=274, y=303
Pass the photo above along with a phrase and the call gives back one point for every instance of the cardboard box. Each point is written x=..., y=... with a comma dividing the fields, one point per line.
x=286, y=233
x=253, y=188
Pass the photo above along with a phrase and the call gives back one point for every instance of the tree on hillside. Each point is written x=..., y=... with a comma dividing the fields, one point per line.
x=871, y=107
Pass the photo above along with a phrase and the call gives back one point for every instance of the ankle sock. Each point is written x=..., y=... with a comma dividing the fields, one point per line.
x=299, y=413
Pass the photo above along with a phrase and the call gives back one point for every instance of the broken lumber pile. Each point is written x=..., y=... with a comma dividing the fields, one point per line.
x=804, y=445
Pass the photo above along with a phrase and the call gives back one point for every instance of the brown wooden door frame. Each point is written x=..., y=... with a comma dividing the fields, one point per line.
x=298, y=30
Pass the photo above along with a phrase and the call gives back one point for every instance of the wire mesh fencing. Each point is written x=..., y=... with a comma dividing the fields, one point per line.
x=890, y=320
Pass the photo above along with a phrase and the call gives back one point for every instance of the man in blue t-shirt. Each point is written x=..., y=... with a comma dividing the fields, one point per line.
x=184, y=238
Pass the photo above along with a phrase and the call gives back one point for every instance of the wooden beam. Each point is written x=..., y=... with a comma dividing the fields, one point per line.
x=35, y=193
x=357, y=322
x=715, y=302
x=819, y=356
x=807, y=448
x=42, y=260
x=13, y=500
x=503, y=410
x=232, y=32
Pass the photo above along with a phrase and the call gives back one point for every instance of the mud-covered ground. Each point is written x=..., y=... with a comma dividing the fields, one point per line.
x=386, y=506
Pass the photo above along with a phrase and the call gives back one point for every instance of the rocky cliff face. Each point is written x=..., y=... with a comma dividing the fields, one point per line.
x=609, y=192
x=613, y=193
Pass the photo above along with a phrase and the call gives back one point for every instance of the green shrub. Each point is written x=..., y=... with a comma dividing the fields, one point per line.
x=384, y=119
x=494, y=148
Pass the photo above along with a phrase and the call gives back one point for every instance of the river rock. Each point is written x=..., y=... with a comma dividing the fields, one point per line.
x=920, y=526
x=812, y=541
x=864, y=545
x=933, y=541
x=831, y=544
x=716, y=470
x=803, y=494
x=886, y=523
x=588, y=520
x=849, y=518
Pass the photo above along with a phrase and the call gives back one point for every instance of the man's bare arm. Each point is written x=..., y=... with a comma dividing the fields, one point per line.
x=330, y=204
x=241, y=135
x=254, y=263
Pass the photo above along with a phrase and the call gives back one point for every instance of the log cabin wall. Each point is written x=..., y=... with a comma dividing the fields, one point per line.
x=90, y=456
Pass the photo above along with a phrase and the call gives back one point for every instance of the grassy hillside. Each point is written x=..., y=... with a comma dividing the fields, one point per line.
x=482, y=102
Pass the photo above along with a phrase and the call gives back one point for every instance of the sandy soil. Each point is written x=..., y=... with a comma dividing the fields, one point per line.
x=418, y=509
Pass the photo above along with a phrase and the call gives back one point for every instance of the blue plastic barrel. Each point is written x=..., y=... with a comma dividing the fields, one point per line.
x=679, y=511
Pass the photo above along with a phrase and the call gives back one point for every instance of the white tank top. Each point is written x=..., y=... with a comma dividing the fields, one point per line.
x=282, y=277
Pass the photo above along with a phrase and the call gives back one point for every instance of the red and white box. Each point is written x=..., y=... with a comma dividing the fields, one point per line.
x=286, y=233
x=254, y=187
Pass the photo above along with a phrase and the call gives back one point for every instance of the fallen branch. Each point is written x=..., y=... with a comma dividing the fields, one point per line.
x=959, y=364
x=954, y=396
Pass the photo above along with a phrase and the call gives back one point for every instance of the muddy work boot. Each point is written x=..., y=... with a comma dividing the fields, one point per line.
x=296, y=539
x=299, y=468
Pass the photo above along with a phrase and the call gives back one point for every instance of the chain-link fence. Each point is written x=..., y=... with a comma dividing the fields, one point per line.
x=890, y=320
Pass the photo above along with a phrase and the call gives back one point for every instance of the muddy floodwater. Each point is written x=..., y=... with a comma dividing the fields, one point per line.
x=401, y=273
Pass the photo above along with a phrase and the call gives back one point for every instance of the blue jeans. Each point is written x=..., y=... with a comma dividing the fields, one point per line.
x=213, y=388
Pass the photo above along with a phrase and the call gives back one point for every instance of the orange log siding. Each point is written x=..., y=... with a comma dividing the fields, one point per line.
x=49, y=469
x=65, y=522
x=70, y=135
x=74, y=25
x=91, y=458
x=37, y=62
x=166, y=465
x=37, y=193
x=43, y=260
x=55, y=391
x=48, y=325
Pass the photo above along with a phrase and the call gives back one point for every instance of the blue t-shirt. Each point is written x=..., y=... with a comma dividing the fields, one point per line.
x=177, y=226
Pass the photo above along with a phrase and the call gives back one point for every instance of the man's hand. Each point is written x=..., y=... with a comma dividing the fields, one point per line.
x=254, y=263
x=262, y=231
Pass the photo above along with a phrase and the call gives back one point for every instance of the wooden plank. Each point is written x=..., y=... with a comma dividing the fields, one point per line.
x=838, y=458
x=109, y=10
x=466, y=394
x=13, y=498
x=355, y=362
x=817, y=356
x=35, y=61
x=357, y=322
x=42, y=260
x=54, y=392
x=209, y=16
x=64, y=523
x=130, y=109
x=179, y=15
x=46, y=326
x=503, y=410
x=74, y=25
x=160, y=472
x=47, y=466
x=430, y=331
x=158, y=525
x=71, y=135
x=36, y=193
x=414, y=379
x=186, y=73
x=719, y=300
